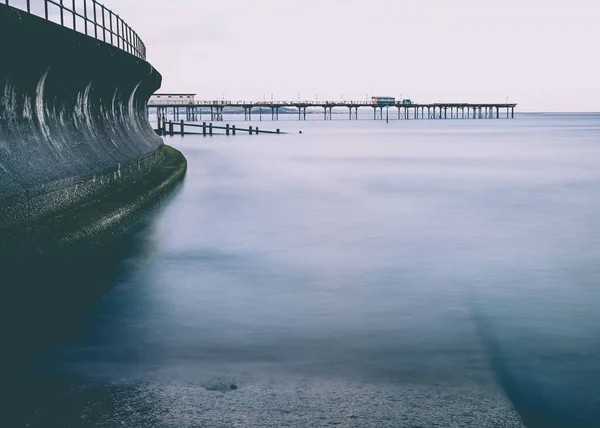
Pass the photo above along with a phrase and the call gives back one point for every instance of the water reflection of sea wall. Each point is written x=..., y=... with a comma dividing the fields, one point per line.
x=73, y=125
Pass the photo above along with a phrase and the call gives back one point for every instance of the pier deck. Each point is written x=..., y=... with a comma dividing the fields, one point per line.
x=193, y=111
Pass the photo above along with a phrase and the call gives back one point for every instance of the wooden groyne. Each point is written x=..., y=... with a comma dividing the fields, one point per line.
x=206, y=129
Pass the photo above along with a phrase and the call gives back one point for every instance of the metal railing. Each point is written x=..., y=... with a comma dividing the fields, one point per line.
x=87, y=17
x=184, y=103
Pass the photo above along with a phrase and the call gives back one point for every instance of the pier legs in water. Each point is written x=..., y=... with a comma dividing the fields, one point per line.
x=193, y=113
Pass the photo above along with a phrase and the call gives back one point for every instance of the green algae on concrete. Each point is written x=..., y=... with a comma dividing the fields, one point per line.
x=102, y=219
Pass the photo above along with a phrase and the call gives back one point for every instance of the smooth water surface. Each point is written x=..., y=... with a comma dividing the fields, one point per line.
x=360, y=274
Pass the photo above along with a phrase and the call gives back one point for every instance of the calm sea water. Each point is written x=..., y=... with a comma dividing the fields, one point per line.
x=360, y=274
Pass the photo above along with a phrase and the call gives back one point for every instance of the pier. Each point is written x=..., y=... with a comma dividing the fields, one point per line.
x=214, y=110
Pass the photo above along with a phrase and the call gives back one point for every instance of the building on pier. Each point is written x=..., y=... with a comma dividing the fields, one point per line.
x=172, y=99
x=383, y=101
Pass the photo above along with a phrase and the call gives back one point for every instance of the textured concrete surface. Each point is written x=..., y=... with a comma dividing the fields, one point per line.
x=73, y=120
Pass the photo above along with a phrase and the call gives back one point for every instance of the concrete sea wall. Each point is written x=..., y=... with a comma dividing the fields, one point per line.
x=73, y=123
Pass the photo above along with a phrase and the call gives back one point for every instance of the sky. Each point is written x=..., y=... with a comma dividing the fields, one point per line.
x=542, y=54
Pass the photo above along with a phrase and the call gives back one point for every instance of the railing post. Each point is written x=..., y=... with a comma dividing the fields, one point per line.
x=85, y=18
x=46, y=8
x=210, y=129
x=28, y=5
x=123, y=35
x=227, y=129
x=62, y=13
x=95, y=20
x=233, y=129
x=250, y=130
x=278, y=130
x=110, y=15
x=118, y=31
x=103, y=23
x=127, y=36
x=122, y=30
x=204, y=128
x=171, y=127
x=181, y=127
x=74, y=16
x=257, y=130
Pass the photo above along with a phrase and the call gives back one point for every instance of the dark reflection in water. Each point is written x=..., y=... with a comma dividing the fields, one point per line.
x=431, y=274
x=45, y=300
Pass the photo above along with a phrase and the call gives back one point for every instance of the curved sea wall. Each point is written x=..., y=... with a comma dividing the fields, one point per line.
x=73, y=124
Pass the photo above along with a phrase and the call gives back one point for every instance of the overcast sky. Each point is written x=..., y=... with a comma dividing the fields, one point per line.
x=542, y=54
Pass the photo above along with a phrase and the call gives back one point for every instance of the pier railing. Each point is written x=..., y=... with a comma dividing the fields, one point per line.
x=87, y=17
x=344, y=103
